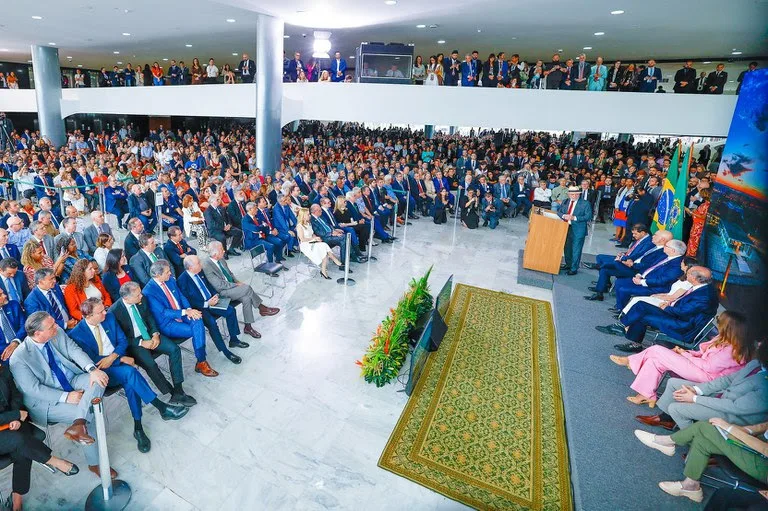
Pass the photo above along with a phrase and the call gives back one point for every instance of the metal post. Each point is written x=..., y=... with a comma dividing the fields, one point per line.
x=346, y=280
x=370, y=242
x=61, y=202
x=407, y=212
x=456, y=205
x=109, y=495
x=159, y=214
x=394, y=219
x=102, y=199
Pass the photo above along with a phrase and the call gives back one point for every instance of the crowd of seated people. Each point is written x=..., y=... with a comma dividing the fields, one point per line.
x=349, y=183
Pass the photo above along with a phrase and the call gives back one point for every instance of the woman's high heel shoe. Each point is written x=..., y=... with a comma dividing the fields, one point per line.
x=325, y=276
x=72, y=470
x=640, y=400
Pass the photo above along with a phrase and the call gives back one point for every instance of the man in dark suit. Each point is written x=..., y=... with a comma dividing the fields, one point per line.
x=176, y=249
x=236, y=210
x=656, y=279
x=247, y=69
x=285, y=223
x=521, y=197
x=452, y=69
x=12, y=281
x=503, y=192
x=138, y=207
x=680, y=319
x=7, y=249
x=333, y=237
x=202, y=296
x=88, y=189
x=44, y=187
x=587, y=193
x=338, y=68
x=131, y=242
x=295, y=67
x=580, y=73
x=100, y=337
x=220, y=228
x=14, y=210
x=48, y=297
x=638, y=212
x=91, y=233
x=264, y=218
x=606, y=194
x=577, y=213
x=142, y=261
x=145, y=341
x=12, y=330
x=685, y=79
x=468, y=72
x=649, y=78
x=716, y=80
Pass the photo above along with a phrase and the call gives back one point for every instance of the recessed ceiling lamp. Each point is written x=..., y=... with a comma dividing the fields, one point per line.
x=617, y=12
x=478, y=30
x=165, y=60
x=441, y=41
x=736, y=53
x=433, y=25
x=587, y=47
x=390, y=2
x=70, y=58
x=188, y=45
x=286, y=36
x=116, y=52
x=37, y=17
x=560, y=50
x=79, y=65
x=351, y=56
x=599, y=33
x=230, y=20
x=707, y=62
x=119, y=61
x=422, y=25
x=126, y=34
x=51, y=44
x=234, y=53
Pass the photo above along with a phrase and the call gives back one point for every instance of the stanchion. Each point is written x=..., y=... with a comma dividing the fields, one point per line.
x=109, y=495
x=394, y=220
x=407, y=213
x=371, y=257
x=345, y=280
x=61, y=203
x=457, y=207
x=102, y=199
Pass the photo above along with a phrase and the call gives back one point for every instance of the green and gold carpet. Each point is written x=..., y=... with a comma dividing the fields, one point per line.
x=485, y=424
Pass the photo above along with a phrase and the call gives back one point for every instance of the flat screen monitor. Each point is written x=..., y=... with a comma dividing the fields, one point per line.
x=419, y=357
x=443, y=299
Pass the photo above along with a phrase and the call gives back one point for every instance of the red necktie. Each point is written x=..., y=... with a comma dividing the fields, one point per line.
x=266, y=218
x=419, y=185
x=181, y=251
x=570, y=208
x=169, y=296
x=242, y=212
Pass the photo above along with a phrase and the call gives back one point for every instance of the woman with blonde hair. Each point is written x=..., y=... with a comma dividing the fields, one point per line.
x=325, y=77
x=33, y=258
x=723, y=355
x=312, y=246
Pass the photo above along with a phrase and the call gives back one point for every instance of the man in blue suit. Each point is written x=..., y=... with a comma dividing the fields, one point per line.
x=650, y=78
x=503, y=192
x=490, y=210
x=285, y=223
x=468, y=72
x=338, y=68
x=521, y=197
x=295, y=67
x=177, y=319
x=577, y=212
x=88, y=190
x=47, y=297
x=12, y=281
x=271, y=234
x=8, y=250
x=202, y=296
x=656, y=279
x=102, y=339
x=644, y=252
x=12, y=330
x=139, y=208
x=44, y=187
x=452, y=69
x=176, y=249
x=680, y=319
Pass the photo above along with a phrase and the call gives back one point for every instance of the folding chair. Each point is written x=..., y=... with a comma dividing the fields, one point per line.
x=657, y=337
x=727, y=475
x=311, y=269
x=270, y=272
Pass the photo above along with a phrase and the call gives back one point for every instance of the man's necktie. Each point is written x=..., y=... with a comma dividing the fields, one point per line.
x=57, y=314
x=181, y=250
x=169, y=296
x=5, y=253
x=242, y=211
x=226, y=273
x=99, y=341
x=673, y=302
x=152, y=257
x=140, y=322
x=57, y=371
x=12, y=292
x=203, y=289
x=8, y=331
x=649, y=270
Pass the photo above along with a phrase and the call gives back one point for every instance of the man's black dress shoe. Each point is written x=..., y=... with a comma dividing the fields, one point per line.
x=563, y=266
x=233, y=252
x=571, y=272
x=591, y=266
x=610, y=330
x=238, y=344
x=173, y=412
x=183, y=400
x=630, y=347
x=233, y=358
x=593, y=289
x=289, y=254
x=595, y=297
x=142, y=440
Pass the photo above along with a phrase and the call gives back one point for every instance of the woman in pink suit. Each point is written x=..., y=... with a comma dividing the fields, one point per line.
x=724, y=354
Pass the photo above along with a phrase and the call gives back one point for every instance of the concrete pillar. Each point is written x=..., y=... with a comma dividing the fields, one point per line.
x=429, y=131
x=452, y=130
x=269, y=94
x=45, y=67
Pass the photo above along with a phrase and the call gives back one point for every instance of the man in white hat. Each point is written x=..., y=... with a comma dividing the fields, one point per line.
x=577, y=212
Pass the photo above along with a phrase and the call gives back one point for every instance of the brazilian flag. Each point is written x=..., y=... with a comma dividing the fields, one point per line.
x=669, y=209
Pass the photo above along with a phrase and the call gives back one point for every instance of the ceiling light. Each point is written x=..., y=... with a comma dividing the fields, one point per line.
x=234, y=53
x=126, y=33
x=79, y=65
x=735, y=53
x=165, y=60
x=560, y=50
x=231, y=20
x=119, y=61
x=116, y=52
x=514, y=38
x=599, y=33
x=351, y=56
x=37, y=17
x=587, y=47
x=51, y=44
x=286, y=36
x=4, y=49
x=617, y=12
x=188, y=45
x=390, y=2
x=421, y=26
x=70, y=58
x=433, y=26
x=29, y=61
x=707, y=62
x=478, y=30
x=441, y=41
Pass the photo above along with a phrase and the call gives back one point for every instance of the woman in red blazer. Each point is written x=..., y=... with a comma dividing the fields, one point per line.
x=82, y=285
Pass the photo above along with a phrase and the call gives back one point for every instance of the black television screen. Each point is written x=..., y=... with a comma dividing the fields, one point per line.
x=444, y=297
x=419, y=357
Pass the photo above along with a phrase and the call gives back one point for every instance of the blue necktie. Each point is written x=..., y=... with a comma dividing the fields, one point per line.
x=65, y=385
x=57, y=315
x=206, y=294
x=5, y=252
x=6, y=327
x=12, y=290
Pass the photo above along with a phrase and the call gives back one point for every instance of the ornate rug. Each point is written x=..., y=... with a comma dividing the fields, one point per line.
x=485, y=424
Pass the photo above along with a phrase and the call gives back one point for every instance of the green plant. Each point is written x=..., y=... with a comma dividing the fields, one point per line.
x=389, y=346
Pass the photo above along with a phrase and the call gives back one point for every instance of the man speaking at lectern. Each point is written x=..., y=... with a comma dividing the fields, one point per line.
x=577, y=212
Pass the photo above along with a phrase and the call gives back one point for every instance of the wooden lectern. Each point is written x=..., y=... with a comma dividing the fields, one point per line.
x=544, y=246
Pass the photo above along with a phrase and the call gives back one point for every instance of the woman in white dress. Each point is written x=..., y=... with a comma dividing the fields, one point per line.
x=312, y=246
x=678, y=289
x=103, y=245
x=434, y=72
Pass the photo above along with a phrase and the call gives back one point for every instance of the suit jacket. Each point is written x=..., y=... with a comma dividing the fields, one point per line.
x=130, y=245
x=13, y=251
x=91, y=234
x=686, y=74
x=583, y=213
x=661, y=278
x=744, y=396
x=22, y=287
x=137, y=204
x=215, y=276
x=253, y=230
x=320, y=227
x=11, y=400
x=639, y=210
x=645, y=85
x=609, y=196
x=468, y=69
x=23, y=216
x=215, y=220
x=284, y=219
x=338, y=66
x=37, y=301
x=293, y=69
x=16, y=318
x=39, y=183
x=140, y=264
x=451, y=76
x=518, y=191
x=121, y=313
x=234, y=214
x=189, y=289
x=84, y=338
x=497, y=188
x=111, y=198
x=112, y=285
x=33, y=375
x=717, y=81
x=171, y=251
x=251, y=70
x=158, y=303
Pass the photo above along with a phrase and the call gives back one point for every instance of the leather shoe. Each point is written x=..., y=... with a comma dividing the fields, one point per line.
x=563, y=266
x=267, y=311
x=173, y=412
x=238, y=344
x=77, y=432
x=571, y=272
x=183, y=400
x=142, y=441
x=655, y=420
x=233, y=358
x=610, y=330
x=591, y=266
x=289, y=254
x=250, y=331
x=614, y=310
x=95, y=470
x=630, y=347
x=595, y=297
x=593, y=289
x=205, y=369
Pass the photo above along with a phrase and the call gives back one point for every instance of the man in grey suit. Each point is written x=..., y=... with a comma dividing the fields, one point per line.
x=224, y=282
x=69, y=227
x=142, y=260
x=46, y=240
x=58, y=381
x=743, y=399
x=91, y=233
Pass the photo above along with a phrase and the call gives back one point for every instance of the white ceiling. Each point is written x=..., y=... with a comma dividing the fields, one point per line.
x=90, y=31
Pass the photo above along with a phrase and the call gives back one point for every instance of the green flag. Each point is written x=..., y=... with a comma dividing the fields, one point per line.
x=681, y=191
x=665, y=211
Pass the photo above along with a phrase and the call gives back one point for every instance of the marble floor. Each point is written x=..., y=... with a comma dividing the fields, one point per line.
x=294, y=426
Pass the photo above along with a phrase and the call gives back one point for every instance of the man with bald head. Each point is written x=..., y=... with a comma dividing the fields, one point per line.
x=680, y=319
